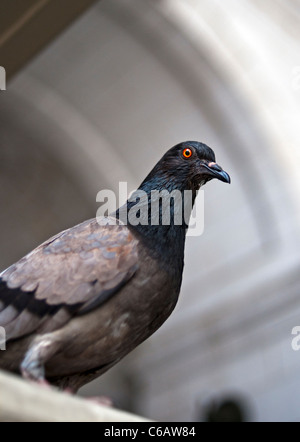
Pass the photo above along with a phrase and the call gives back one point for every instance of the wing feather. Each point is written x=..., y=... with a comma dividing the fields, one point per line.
x=74, y=271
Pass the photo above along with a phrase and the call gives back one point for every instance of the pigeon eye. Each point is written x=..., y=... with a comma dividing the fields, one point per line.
x=187, y=153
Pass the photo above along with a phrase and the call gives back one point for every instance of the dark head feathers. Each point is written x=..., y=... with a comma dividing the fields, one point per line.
x=175, y=170
x=203, y=151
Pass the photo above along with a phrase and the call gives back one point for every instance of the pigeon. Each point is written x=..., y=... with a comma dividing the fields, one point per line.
x=81, y=301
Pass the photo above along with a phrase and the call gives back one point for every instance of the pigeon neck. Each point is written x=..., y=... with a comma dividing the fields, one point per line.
x=159, y=216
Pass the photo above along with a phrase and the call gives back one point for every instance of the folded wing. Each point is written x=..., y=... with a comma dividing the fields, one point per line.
x=70, y=274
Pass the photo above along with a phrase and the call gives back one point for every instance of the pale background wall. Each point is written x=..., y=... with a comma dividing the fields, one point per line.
x=100, y=105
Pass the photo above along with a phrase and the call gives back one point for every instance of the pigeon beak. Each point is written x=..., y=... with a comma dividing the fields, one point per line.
x=216, y=171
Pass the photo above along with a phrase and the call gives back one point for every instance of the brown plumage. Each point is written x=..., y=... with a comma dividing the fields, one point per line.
x=82, y=300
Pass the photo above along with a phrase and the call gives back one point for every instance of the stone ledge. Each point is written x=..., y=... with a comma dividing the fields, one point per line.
x=21, y=401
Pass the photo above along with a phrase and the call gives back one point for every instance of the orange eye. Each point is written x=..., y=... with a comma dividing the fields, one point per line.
x=187, y=153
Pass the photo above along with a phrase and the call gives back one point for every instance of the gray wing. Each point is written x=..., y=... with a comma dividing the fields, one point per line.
x=72, y=273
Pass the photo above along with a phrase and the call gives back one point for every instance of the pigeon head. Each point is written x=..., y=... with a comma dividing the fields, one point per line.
x=159, y=210
x=171, y=188
x=186, y=166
